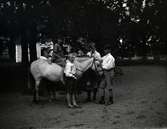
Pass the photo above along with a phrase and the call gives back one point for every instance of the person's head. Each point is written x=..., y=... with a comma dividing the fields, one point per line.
x=57, y=47
x=59, y=41
x=45, y=52
x=47, y=40
x=71, y=57
x=92, y=46
x=107, y=49
x=81, y=40
x=80, y=52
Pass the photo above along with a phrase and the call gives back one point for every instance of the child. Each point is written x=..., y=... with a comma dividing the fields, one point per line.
x=108, y=65
x=45, y=55
x=70, y=77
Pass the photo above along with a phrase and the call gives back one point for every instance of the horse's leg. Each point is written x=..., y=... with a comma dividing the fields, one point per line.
x=48, y=87
x=52, y=92
x=88, y=90
x=36, y=91
x=96, y=88
x=88, y=96
x=102, y=100
x=51, y=96
x=102, y=89
x=94, y=94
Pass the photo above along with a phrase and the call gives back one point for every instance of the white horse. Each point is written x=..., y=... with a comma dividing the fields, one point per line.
x=42, y=69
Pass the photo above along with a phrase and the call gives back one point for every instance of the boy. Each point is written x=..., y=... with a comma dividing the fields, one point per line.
x=108, y=65
x=70, y=77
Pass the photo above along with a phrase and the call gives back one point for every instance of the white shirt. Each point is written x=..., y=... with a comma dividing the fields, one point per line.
x=96, y=55
x=108, y=61
x=70, y=69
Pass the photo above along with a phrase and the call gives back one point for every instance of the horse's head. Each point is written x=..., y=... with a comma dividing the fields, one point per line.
x=96, y=66
x=83, y=64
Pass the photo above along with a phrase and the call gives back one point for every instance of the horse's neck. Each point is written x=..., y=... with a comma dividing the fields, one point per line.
x=82, y=59
x=84, y=65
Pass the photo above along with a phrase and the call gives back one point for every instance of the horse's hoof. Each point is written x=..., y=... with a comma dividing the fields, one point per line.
x=109, y=103
x=88, y=100
x=35, y=101
x=101, y=102
x=50, y=100
x=94, y=99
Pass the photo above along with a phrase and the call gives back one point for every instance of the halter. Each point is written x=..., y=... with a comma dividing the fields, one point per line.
x=96, y=70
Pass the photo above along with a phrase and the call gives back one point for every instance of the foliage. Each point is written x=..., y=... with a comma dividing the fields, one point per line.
x=140, y=25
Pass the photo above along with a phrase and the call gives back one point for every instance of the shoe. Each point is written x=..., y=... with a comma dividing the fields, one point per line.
x=88, y=100
x=101, y=102
x=77, y=106
x=111, y=100
x=70, y=106
x=108, y=103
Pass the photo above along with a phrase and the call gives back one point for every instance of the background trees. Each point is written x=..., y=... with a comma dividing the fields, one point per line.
x=130, y=26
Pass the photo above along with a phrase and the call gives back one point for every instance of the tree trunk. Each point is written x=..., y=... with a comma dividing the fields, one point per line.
x=25, y=61
x=24, y=51
x=33, y=51
x=11, y=48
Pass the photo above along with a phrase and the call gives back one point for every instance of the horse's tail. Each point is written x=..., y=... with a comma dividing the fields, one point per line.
x=31, y=80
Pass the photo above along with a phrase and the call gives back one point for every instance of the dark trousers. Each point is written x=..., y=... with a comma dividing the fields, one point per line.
x=71, y=86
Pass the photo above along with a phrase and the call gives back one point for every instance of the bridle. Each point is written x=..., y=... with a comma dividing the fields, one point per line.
x=95, y=65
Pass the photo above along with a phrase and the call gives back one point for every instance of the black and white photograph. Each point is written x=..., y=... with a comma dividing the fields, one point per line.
x=83, y=64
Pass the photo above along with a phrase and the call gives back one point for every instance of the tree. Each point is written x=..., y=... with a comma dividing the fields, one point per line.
x=104, y=21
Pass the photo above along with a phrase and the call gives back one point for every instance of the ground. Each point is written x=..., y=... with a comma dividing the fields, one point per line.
x=140, y=101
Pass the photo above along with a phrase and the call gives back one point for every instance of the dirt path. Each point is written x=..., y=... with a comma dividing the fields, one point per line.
x=140, y=102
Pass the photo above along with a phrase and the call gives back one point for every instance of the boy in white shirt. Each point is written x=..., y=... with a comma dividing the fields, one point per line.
x=108, y=65
x=70, y=77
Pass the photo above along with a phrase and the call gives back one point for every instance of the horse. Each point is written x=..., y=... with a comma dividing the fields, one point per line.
x=41, y=69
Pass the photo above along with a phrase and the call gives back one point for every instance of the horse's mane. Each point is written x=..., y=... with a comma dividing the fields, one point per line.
x=82, y=59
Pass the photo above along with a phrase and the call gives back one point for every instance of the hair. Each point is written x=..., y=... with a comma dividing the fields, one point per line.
x=107, y=47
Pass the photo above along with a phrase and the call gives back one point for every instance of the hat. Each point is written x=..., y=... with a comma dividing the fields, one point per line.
x=107, y=47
